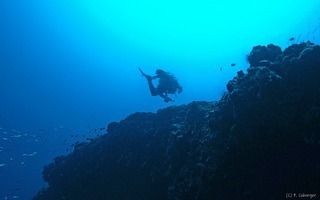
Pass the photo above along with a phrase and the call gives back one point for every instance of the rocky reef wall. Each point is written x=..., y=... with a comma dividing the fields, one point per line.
x=261, y=140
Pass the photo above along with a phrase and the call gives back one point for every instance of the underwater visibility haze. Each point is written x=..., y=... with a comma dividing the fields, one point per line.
x=68, y=68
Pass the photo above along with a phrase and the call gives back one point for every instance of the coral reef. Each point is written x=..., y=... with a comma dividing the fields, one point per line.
x=270, y=122
x=261, y=140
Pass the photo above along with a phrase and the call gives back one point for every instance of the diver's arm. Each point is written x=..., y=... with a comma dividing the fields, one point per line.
x=165, y=97
x=162, y=95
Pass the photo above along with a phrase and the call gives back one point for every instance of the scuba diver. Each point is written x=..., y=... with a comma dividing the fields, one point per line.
x=168, y=84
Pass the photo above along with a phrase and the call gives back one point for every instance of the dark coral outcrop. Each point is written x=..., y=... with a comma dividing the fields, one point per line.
x=261, y=140
x=270, y=123
x=261, y=54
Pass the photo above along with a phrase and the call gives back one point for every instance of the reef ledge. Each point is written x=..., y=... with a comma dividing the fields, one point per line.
x=261, y=140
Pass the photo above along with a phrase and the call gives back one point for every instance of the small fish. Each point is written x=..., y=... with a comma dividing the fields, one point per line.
x=291, y=39
x=24, y=154
x=16, y=197
x=1, y=128
x=3, y=164
x=220, y=68
x=233, y=64
x=17, y=136
x=5, y=138
x=32, y=154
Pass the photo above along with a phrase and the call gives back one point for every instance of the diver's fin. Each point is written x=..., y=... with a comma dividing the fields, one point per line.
x=148, y=77
x=143, y=74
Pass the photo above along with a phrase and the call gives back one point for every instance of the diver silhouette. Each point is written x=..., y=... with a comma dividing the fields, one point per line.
x=168, y=84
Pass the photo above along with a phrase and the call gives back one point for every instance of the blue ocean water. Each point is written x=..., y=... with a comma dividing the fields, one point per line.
x=70, y=67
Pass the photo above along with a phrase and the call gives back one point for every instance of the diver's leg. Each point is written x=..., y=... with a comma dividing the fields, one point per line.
x=151, y=86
